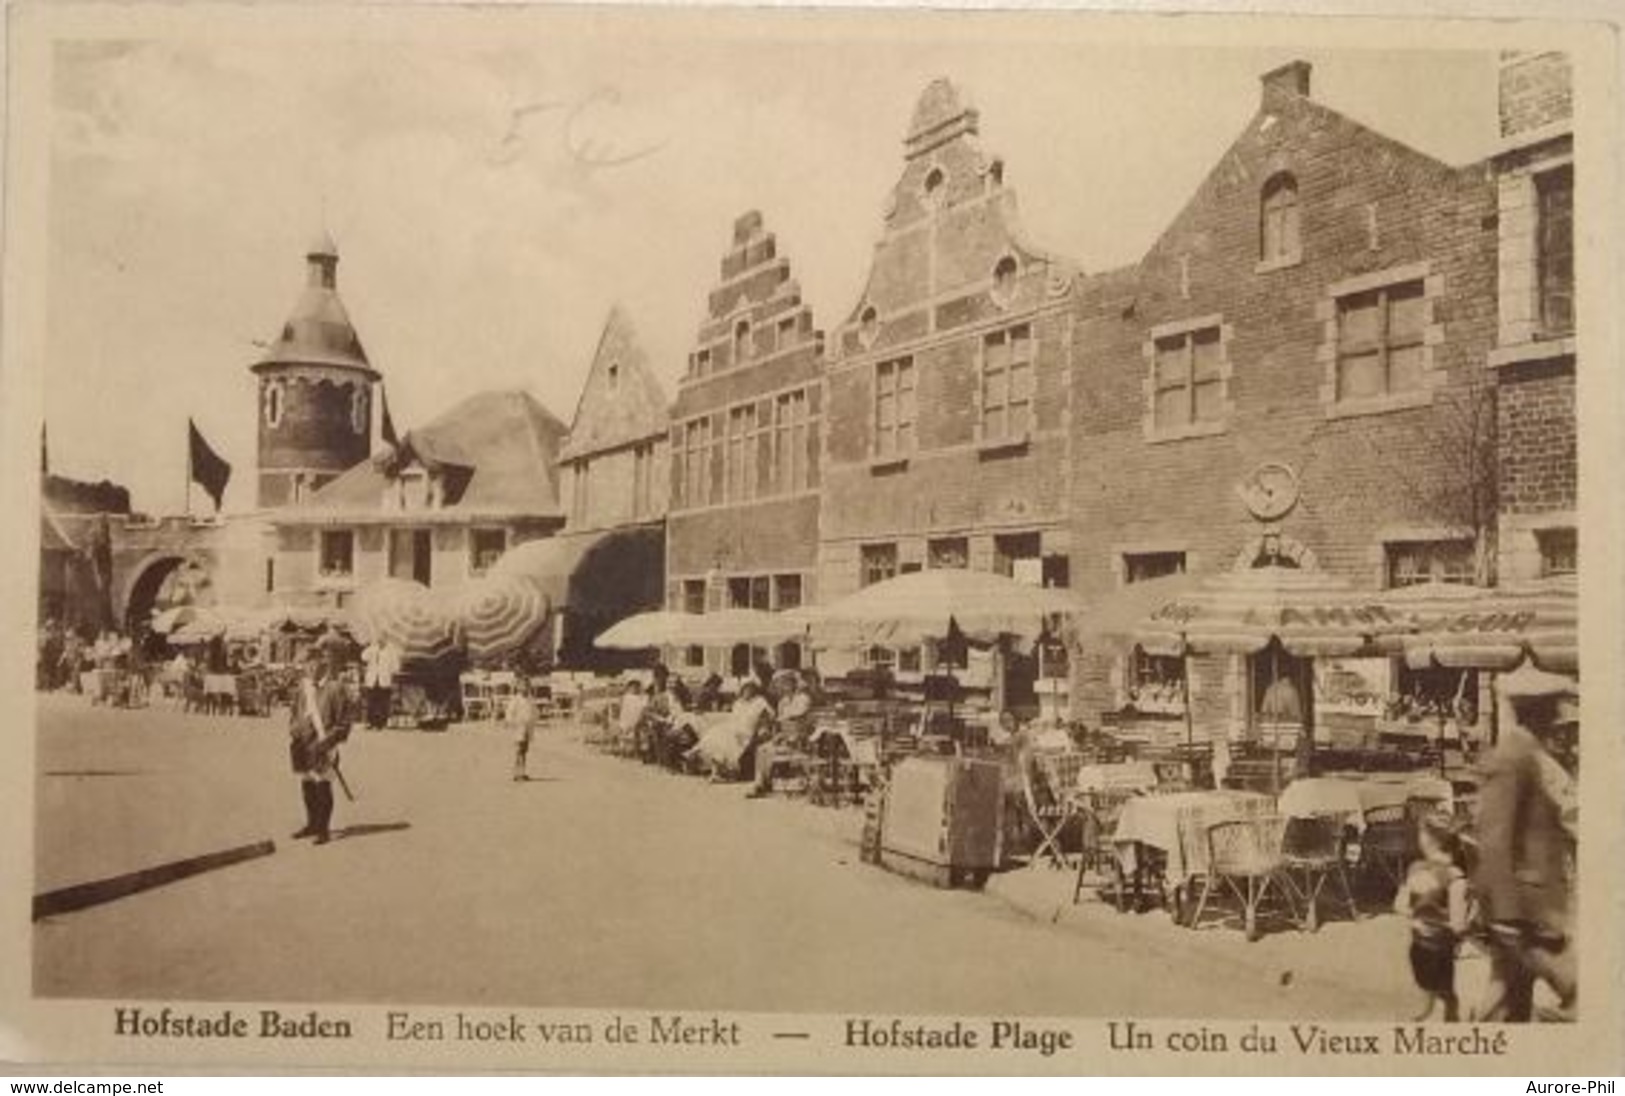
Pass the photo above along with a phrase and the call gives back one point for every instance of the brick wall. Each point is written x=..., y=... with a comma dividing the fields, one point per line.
x=1538, y=466
x=1368, y=208
x=315, y=432
x=1536, y=92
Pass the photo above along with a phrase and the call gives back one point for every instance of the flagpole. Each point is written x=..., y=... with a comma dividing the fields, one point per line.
x=188, y=505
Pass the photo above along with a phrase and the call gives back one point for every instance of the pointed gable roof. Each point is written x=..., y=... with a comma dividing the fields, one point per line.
x=621, y=401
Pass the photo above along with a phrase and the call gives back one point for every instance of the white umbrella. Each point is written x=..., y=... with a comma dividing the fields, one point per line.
x=933, y=605
x=730, y=626
x=659, y=628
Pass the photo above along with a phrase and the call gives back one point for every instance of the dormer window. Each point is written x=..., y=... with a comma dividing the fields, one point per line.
x=935, y=188
x=1279, y=240
x=868, y=326
x=1004, y=279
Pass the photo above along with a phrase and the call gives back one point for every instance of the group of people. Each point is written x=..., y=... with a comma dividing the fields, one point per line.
x=1504, y=885
x=770, y=718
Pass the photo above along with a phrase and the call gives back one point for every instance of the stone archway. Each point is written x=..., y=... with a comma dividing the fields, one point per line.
x=150, y=576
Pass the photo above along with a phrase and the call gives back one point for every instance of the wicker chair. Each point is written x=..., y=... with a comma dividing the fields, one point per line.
x=1098, y=863
x=1246, y=857
x=1313, y=848
x=1046, y=790
x=1388, y=843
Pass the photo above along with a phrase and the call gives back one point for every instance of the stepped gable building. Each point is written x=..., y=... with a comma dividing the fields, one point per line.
x=315, y=390
x=439, y=509
x=949, y=381
x=746, y=447
x=1535, y=354
x=1295, y=373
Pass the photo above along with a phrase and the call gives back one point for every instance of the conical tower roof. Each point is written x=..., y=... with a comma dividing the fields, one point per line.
x=318, y=331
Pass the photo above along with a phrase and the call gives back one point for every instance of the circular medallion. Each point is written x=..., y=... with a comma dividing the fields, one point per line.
x=1269, y=491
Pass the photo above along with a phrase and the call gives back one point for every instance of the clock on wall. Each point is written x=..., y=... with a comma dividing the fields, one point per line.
x=1269, y=491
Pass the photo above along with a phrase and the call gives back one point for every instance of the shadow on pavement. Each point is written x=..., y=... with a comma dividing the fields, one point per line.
x=366, y=829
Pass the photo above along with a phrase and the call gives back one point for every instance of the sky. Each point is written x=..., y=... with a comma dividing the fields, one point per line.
x=493, y=195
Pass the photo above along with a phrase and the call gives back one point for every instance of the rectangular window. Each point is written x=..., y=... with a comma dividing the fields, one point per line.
x=1189, y=379
x=1417, y=561
x=1017, y=552
x=485, y=547
x=1559, y=552
x=948, y=553
x=337, y=553
x=702, y=363
x=1007, y=384
x=739, y=593
x=894, y=407
x=761, y=592
x=1139, y=566
x=270, y=576
x=786, y=591
x=1554, y=197
x=580, y=498
x=642, y=480
x=878, y=562
x=694, y=595
x=1380, y=341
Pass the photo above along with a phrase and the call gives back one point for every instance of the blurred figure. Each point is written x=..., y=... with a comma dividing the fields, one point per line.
x=520, y=716
x=319, y=721
x=1434, y=898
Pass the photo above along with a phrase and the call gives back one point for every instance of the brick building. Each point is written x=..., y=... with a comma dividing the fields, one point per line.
x=949, y=382
x=1534, y=358
x=746, y=447
x=1293, y=373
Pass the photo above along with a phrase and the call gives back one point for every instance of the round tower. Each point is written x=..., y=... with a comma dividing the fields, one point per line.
x=315, y=390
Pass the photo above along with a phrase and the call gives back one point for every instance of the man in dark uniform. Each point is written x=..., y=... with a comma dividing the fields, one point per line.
x=1522, y=876
x=320, y=721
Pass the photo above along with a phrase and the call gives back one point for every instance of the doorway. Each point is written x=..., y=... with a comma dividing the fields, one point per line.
x=411, y=555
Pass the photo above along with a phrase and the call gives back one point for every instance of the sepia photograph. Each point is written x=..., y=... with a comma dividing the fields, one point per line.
x=586, y=534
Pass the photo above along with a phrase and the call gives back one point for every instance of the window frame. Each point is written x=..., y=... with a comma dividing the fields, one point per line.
x=475, y=568
x=1437, y=569
x=1383, y=342
x=323, y=539
x=1280, y=222
x=1546, y=185
x=897, y=440
x=1006, y=371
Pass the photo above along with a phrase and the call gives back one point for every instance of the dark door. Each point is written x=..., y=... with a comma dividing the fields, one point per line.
x=422, y=555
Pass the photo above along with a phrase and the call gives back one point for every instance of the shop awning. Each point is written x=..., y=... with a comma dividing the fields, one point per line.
x=1475, y=627
x=612, y=574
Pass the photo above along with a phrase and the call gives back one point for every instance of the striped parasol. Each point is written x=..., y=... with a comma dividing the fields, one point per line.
x=1467, y=627
x=1311, y=613
x=407, y=614
x=498, y=614
x=934, y=604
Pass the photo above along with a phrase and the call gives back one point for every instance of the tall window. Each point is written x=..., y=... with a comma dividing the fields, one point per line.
x=580, y=491
x=894, y=407
x=273, y=403
x=696, y=473
x=1189, y=379
x=877, y=562
x=358, y=410
x=336, y=553
x=1417, y=561
x=1554, y=196
x=786, y=591
x=1278, y=220
x=1380, y=341
x=791, y=441
x=643, y=460
x=1007, y=383
x=741, y=341
x=740, y=459
x=1156, y=683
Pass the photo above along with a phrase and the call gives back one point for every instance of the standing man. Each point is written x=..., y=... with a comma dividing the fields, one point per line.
x=520, y=715
x=320, y=721
x=380, y=662
x=1523, y=852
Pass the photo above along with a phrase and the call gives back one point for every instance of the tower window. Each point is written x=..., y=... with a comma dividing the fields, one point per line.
x=1279, y=240
x=358, y=410
x=273, y=404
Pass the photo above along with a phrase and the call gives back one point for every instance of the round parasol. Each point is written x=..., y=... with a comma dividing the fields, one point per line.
x=499, y=613
x=935, y=604
x=659, y=628
x=726, y=627
x=407, y=614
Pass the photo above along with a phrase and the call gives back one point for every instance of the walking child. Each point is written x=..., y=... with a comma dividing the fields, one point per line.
x=521, y=719
x=1434, y=897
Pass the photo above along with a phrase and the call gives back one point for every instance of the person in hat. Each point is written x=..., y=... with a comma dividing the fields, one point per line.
x=1523, y=852
x=319, y=722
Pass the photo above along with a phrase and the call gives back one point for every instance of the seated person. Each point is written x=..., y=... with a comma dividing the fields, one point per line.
x=722, y=749
x=794, y=730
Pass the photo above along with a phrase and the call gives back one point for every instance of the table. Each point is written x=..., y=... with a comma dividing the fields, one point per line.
x=1123, y=776
x=1349, y=797
x=1176, y=825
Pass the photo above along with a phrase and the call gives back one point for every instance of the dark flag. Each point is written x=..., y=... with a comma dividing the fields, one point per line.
x=386, y=431
x=208, y=469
